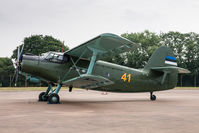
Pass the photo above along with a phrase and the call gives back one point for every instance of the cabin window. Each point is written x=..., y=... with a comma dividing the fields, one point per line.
x=55, y=57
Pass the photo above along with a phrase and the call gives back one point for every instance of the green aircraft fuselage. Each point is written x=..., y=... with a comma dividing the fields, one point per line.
x=125, y=79
x=83, y=67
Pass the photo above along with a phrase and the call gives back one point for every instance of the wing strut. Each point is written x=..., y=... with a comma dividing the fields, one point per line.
x=90, y=68
x=93, y=59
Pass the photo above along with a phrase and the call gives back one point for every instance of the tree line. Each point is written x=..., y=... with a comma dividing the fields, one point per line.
x=184, y=45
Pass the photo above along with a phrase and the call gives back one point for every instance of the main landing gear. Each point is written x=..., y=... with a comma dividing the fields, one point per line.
x=152, y=97
x=53, y=97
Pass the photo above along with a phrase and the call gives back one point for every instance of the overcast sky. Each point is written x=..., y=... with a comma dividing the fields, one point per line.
x=76, y=21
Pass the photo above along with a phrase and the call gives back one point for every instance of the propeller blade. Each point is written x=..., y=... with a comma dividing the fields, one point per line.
x=14, y=76
x=18, y=54
x=22, y=49
x=16, y=79
x=21, y=53
x=18, y=62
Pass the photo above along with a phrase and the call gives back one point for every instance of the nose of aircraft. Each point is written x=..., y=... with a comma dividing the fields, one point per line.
x=30, y=57
x=29, y=63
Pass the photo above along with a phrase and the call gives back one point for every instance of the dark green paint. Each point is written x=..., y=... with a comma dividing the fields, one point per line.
x=142, y=80
x=83, y=67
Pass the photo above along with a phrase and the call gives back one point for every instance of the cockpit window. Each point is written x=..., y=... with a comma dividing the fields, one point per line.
x=49, y=56
x=54, y=57
x=60, y=57
x=44, y=55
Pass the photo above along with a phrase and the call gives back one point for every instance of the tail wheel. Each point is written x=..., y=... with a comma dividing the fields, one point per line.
x=152, y=97
x=53, y=98
x=42, y=97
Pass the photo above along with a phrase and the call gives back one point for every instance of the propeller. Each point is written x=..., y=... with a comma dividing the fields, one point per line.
x=18, y=64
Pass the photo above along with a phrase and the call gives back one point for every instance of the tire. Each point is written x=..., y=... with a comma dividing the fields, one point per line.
x=153, y=97
x=53, y=99
x=42, y=98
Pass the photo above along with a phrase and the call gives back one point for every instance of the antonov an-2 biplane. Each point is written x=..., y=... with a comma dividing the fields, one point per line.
x=83, y=67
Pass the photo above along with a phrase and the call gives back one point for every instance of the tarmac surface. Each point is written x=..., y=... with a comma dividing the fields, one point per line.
x=174, y=111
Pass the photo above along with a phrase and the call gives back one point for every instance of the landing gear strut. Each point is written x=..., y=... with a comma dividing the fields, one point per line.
x=43, y=96
x=70, y=88
x=152, y=97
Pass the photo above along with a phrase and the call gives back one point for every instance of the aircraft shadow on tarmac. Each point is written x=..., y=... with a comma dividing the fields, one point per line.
x=97, y=104
x=112, y=101
x=107, y=104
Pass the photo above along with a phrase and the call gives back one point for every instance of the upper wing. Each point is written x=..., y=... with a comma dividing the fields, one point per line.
x=107, y=45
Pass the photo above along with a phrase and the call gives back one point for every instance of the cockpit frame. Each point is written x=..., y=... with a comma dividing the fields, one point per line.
x=55, y=57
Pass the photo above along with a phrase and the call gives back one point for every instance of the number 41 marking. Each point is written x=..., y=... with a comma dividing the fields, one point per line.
x=124, y=77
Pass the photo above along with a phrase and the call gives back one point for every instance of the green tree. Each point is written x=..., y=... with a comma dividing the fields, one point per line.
x=38, y=44
x=148, y=42
x=6, y=71
x=186, y=50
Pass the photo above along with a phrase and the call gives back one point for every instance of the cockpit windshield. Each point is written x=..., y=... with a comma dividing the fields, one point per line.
x=44, y=55
x=54, y=57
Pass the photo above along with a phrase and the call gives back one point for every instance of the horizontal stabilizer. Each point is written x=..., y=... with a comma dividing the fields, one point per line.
x=86, y=81
x=170, y=68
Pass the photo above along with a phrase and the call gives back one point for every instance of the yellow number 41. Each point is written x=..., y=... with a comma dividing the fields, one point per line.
x=124, y=77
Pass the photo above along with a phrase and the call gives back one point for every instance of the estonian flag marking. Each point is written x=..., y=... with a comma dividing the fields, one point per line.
x=170, y=60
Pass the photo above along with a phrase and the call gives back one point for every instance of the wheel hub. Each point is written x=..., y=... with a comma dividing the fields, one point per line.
x=54, y=99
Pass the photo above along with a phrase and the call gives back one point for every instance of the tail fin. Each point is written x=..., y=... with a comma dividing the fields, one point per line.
x=163, y=59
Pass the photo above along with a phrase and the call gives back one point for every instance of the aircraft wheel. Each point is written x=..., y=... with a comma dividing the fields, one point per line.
x=43, y=98
x=153, y=97
x=53, y=98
